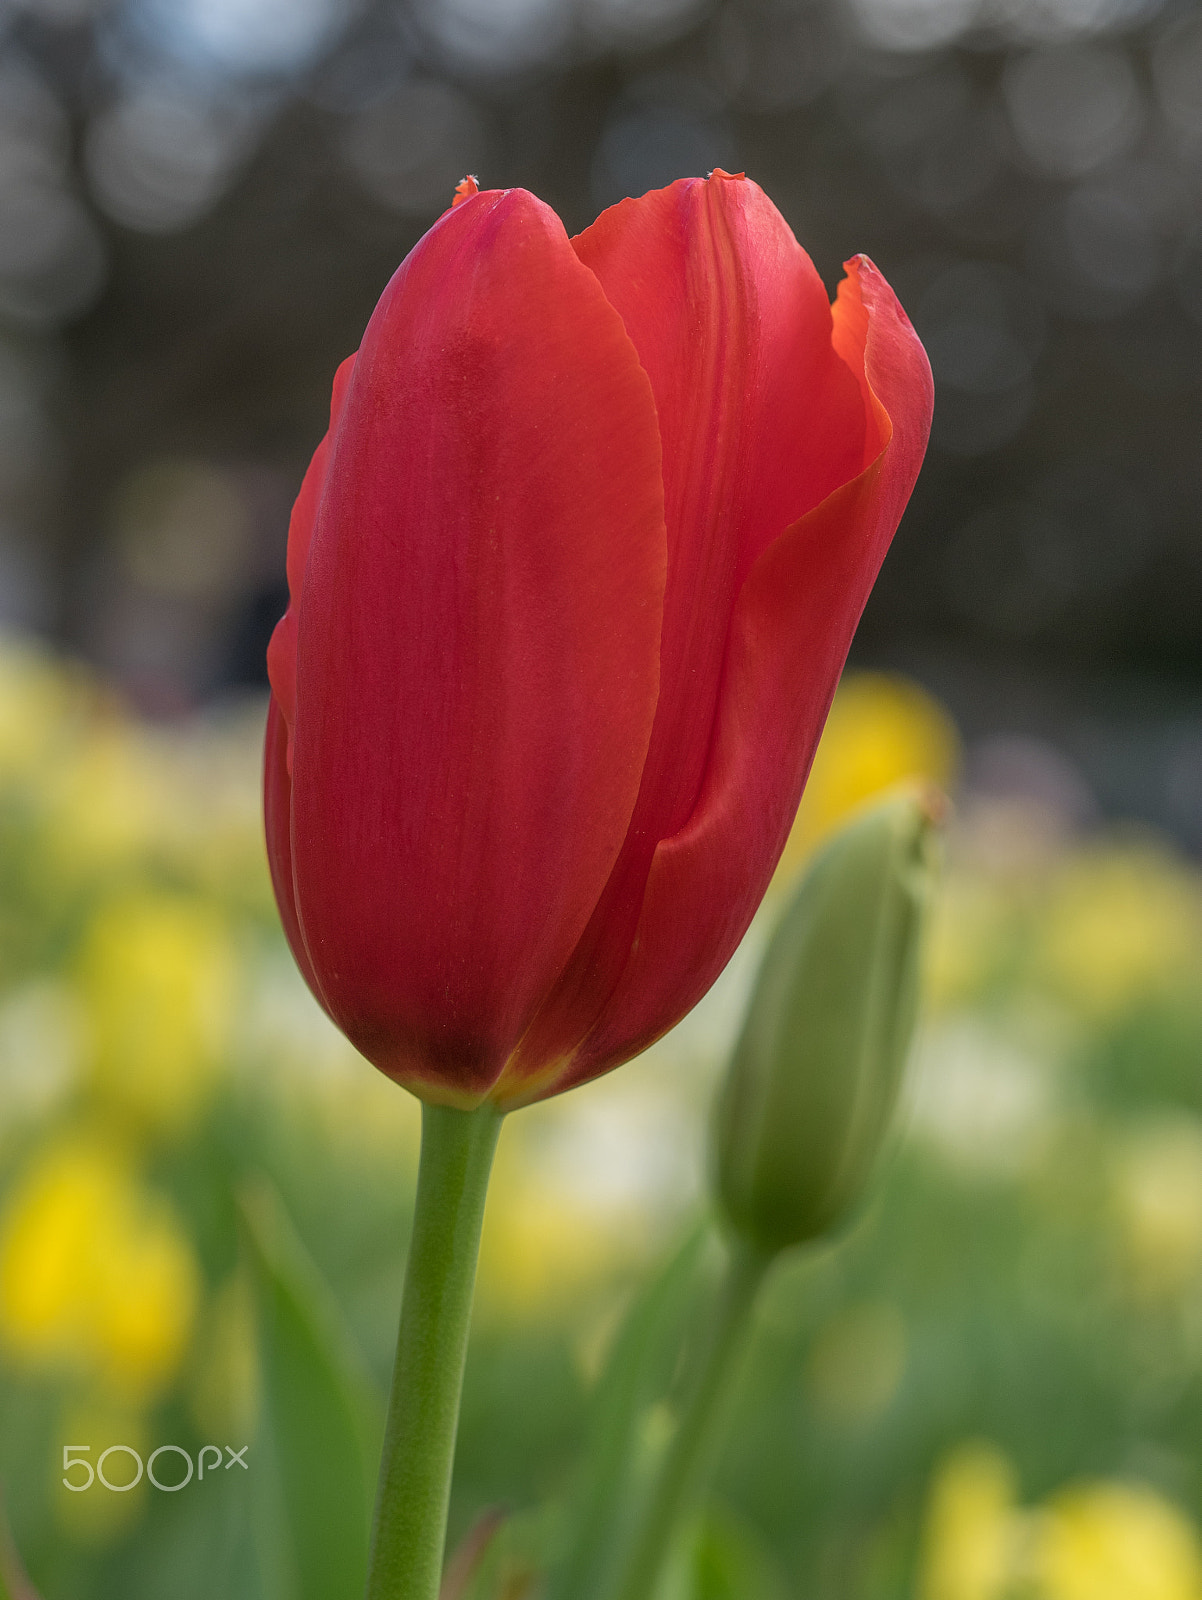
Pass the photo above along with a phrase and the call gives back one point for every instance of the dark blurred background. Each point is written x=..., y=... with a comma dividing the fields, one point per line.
x=200, y=201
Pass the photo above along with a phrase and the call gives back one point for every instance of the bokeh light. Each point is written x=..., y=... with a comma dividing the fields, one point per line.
x=495, y=36
x=248, y=35
x=410, y=148
x=203, y=208
x=159, y=158
x=1073, y=108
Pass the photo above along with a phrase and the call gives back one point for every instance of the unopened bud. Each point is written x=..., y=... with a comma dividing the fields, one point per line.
x=816, y=1073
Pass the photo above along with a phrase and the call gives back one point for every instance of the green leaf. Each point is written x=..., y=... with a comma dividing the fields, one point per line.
x=729, y=1561
x=621, y=1438
x=322, y=1421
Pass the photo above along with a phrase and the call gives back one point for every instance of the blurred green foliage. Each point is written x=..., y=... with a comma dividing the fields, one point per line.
x=990, y=1388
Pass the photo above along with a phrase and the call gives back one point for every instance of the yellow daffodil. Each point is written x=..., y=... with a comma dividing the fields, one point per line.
x=1116, y=1541
x=1122, y=922
x=1158, y=1200
x=157, y=977
x=972, y=1527
x=96, y=1278
x=882, y=730
x=39, y=701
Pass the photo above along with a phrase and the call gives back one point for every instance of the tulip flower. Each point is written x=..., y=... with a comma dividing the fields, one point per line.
x=572, y=578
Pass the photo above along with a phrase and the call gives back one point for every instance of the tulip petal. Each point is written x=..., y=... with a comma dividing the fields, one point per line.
x=478, y=645
x=277, y=820
x=759, y=415
x=281, y=651
x=789, y=638
x=760, y=420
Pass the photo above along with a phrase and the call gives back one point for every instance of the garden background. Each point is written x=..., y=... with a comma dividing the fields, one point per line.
x=991, y=1388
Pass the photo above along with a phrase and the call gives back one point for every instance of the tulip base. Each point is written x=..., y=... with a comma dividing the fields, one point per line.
x=414, y=1491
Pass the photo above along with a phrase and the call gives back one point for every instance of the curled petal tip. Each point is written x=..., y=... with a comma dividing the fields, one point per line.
x=734, y=177
x=465, y=189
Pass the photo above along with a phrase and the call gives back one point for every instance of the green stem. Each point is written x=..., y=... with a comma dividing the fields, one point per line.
x=684, y=1469
x=414, y=1491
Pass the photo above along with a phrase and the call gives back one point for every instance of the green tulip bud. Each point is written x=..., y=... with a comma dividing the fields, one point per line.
x=816, y=1073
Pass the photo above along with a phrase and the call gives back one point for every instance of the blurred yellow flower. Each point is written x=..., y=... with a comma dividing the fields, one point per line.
x=38, y=696
x=41, y=1045
x=542, y=1245
x=102, y=798
x=212, y=828
x=1093, y=1541
x=1116, y=1541
x=539, y=1251
x=96, y=1277
x=1158, y=1196
x=157, y=977
x=972, y=1527
x=1121, y=922
x=881, y=731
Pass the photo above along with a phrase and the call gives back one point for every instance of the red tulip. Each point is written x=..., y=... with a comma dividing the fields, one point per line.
x=573, y=576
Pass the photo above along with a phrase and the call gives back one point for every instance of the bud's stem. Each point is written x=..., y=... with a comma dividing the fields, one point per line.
x=423, y=1410
x=684, y=1470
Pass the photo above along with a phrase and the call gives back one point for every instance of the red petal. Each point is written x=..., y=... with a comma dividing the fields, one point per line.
x=478, y=660
x=759, y=417
x=790, y=634
x=760, y=420
x=277, y=818
x=281, y=651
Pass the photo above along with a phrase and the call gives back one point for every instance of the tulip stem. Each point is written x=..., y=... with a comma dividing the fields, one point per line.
x=686, y=1464
x=409, y=1531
